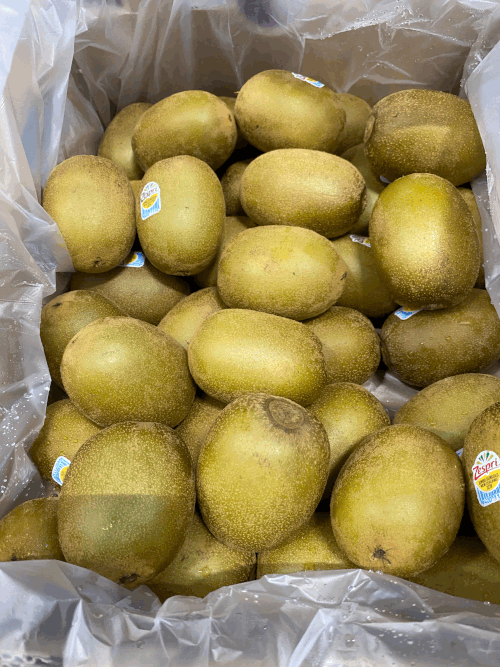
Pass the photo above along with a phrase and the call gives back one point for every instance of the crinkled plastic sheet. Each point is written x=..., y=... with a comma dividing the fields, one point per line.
x=66, y=66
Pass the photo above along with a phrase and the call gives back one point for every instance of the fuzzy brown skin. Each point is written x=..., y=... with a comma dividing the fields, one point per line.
x=127, y=501
x=231, y=182
x=435, y=344
x=196, y=424
x=274, y=455
x=357, y=113
x=424, y=131
x=93, y=204
x=390, y=510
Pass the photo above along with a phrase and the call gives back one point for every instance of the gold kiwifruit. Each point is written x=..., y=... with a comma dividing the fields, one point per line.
x=231, y=182
x=194, y=427
x=357, y=112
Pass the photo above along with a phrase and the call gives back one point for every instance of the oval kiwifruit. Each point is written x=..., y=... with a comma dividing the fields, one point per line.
x=194, y=427
x=231, y=182
x=357, y=112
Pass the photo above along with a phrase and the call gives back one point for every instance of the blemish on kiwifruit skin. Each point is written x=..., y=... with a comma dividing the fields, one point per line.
x=380, y=554
x=128, y=578
x=14, y=557
x=56, y=305
x=284, y=414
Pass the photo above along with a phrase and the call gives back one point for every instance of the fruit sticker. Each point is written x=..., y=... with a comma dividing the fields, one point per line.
x=459, y=452
x=404, y=314
x=135, y=259
x=364, y=240
x=486, y=478
x=150, y=200
x=60, y=469
x=317, y=84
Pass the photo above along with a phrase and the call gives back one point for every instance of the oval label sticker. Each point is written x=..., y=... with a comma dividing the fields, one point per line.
x=60, y=469
x=317, y=84
x=150, y=200
x=135, y=259
x=404, y=314
x=486, y=478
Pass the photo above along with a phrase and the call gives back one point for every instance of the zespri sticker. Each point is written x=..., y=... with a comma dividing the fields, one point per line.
x=486, y=478
x=317, y=84
x=150, y=200
x=60, y=469
x=364, y=240
x=404, y=314
x=135, y=260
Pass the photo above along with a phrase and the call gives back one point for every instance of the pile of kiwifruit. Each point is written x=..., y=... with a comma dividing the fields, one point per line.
x=241, y=266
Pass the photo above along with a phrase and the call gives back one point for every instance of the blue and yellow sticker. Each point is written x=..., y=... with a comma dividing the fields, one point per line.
x=313, y=82
x=364, y=240
x=60, y=469
x=150, y=200
x=405, y=314
x=135, y=259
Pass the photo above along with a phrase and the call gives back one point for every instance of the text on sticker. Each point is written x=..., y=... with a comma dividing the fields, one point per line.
x=306, y=78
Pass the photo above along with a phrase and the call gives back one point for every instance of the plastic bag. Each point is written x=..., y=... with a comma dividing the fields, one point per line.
x=65, y=68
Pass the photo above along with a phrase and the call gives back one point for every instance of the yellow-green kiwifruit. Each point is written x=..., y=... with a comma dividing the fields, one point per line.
x=184, y=319
x=448, y=407
x=424, y=242
x=466, y=570
x=233, y=224
x=481, y=461
x=356, y=156
x=349, y=413
x=390, y=510
x=312, y=547
x=277, y=109
x=29, y=532
x=231, y=182
x=230, y=102
x=435, y=344
x=236, y=351
x=127, y=502
x=357, y=112
x=137, y=287
x=288, y=271
x=471, y=202
x=203, y=565
x=194, y=427
x=363, y=288
x=303, y=188
x=136, y=187
x=63, y=317
x=63, y=432
x=93, y=204
x=121, y=369
x=116, y=142
x=192, y=122
x=180, y=215
x=424, y=131
x=274, y=454
x=350, y=344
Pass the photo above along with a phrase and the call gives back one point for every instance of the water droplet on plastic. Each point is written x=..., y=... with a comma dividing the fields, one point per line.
x=349, y=640
x=409, y=642
x=486, y=602
x=140, y=643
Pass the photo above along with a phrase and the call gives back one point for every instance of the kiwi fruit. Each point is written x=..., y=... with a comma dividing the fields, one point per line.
x=390, y=510
x=127, y=502
x=194, y=427
x=64, y=430
x=471, y=202
x=63, y=317
x=184, y=319
x=116, y=142
x=448, y=407
x=236, y=351
x=279, y=109
x=120, y=369
x=312, y=547
x=303, y=188
x=137, y=187
x=356, y=156
x=29, y=532
x=181, y=229
x=424, y=131
x=357, y=112
x=230, y=102
x=274, y=455
x=287, y=271
x=137, y=288
x=435, y=344
x=92, y=202
x=231, y=182
x=349, y=413
x=424, y=242
x=192, y=122
x=202, y=565
x=350, y=344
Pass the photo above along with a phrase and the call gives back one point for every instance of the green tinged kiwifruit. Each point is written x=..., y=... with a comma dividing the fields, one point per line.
x=63, y=432
x=349, y=413
x=116, y=142
x=424, y=242
x=276, y=109
x=127, y=501
x=121, y=369
x=241, y=142
x=471, y=202
x=184, y=319
x=303, y=188
x=192, y=122
x=236, y=351
x=363, y=288
x=481, y=461
x=288, y=271
x=313, y=547
x=181, y=229
x=29, y=532
x=231, y=182
x=93, y=204
x=434, y=344
x=448, y=407
x=424, y=131
x=203, y=565
x=137, y=287
x=357, y=112
x=274, y=455
x=350, y=344
x=466, y=570
x=63, y=317
x=194, y=427
x=390, y=510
